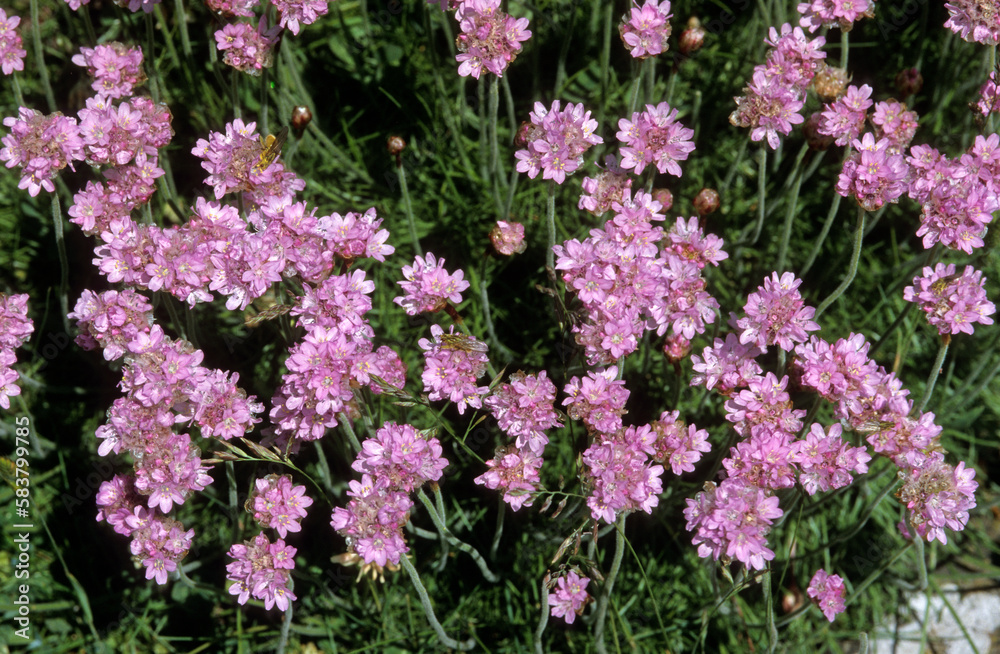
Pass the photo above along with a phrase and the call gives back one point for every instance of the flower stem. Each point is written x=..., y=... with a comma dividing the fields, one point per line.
x=772, y=630
x=181, y=16
x=761, y=193
x=57, y=222
x=446, y=535
x=602, y=603
x=425, y=601
x=843, y=48
x=43, y=72
x=544, y=617
x=818, y=245
x=859, y=232
x=408, y=207
x=786, y=233
x=935, y=371
x=496, y=177
x=550, y=216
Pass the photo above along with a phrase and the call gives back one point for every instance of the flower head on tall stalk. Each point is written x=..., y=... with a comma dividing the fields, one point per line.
x=834, y=13
x=453, y=363
x=233, y=161
x=874, y=175
x=293, y=13
x=41, y=145
x=989, y=96
x=555, y=141
x=248, y=48
x=428, y=287
x=952, y=301
x=655, y=137
x=570, y=597
x=827, y=592
x=15, y=329
x=11, y=52
x=490, y=39
x=937, y=495
x=974, y=21
x=776, y=314
x=601, y=192
x=844, y=118
x=645, y=30
x=262, y=569
x=116, y=68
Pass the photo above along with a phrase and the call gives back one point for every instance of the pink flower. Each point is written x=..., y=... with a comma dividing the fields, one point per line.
x=11, y=52
x=952, y=301
x=646, y=31
x=490, y=39
x=295, y=12
x=874, y=175
x=262, y=569
x=429, y=287
x=508, y=238
x=654, y=137
x=973, y=21
x=776, y=314
x=556, y=140
x=116, y=68
x=570, y=597
x=827, y=592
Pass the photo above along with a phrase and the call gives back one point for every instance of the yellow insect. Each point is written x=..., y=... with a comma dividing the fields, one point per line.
x=462, y=342
x=271, y=148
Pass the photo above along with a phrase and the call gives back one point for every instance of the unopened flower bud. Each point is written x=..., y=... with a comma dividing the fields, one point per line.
x=301, y=117
x=664, y=197
x=508, y=238
x=395, y=145
x=830, y=83
x=707, y=201
x=677, y=347
x=692, y=38
x=909, y=81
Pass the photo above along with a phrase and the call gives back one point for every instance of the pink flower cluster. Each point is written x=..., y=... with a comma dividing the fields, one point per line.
x=164, y=384
x=827, y=592
x=628, y=284
x=247, y=48
x=844, y=118
x=674, y=445
x=646, y=30
x=489, y=40
x=262, y=570
x=11, y=52
x=41, y=145
x=429, y=287
x=598, y=400
x=937, y=495
x=233, y=7
x=524, y=410
x=570, y=597
x=608, y=188
x=334, y=357
x=834, y=13
x=452, y=364
x=727, y=364
x=233, y=161
x=655, y=137
x=826, y=460
x=278, y=505
x=776, y=314
x=974, y=21
x=555, y=141
x=958, y=197
x=508, y=238
x=621, y=477
x=116, y=68
x=15, y=329
x=396, y=461
x=989, y=96
x=875, y=174
x=158, y=542
x=293, y=13
x=771, y=102
x=952, y=301
x=733, y=520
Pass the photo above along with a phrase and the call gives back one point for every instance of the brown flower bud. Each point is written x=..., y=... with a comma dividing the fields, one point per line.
x=664, y=197
x=707, y=201
x=830, y=83
x=909, y=81
x=692, y=38
x=301, y=117
x=395, y=145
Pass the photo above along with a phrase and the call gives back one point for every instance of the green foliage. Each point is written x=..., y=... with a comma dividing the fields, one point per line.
x=367, y=71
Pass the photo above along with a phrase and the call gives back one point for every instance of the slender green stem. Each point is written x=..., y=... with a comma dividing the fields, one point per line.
x=88, y=25
x=543, y=619
x=446, y=534
x=935, y=371
x=345, y=422
x=286, y=623
x=181, y=17
x=18, y=96
x=425, y=601
x=601, y=613
x=892, y=328
x=498, y=531
x=772, y=629
x=550, y=217
x=843, y=48
x=408, y=208
x=761, y=193
x=497, y=178
x=634, y=96
x=150, y=56
x=235, y=90
x=852, y=270
x=786, y=232
x=724, y=190
x=57, y=223
x=43, y=72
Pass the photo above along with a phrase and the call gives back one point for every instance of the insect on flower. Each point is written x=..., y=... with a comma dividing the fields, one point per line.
x=462, y=342
x=271, y=149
